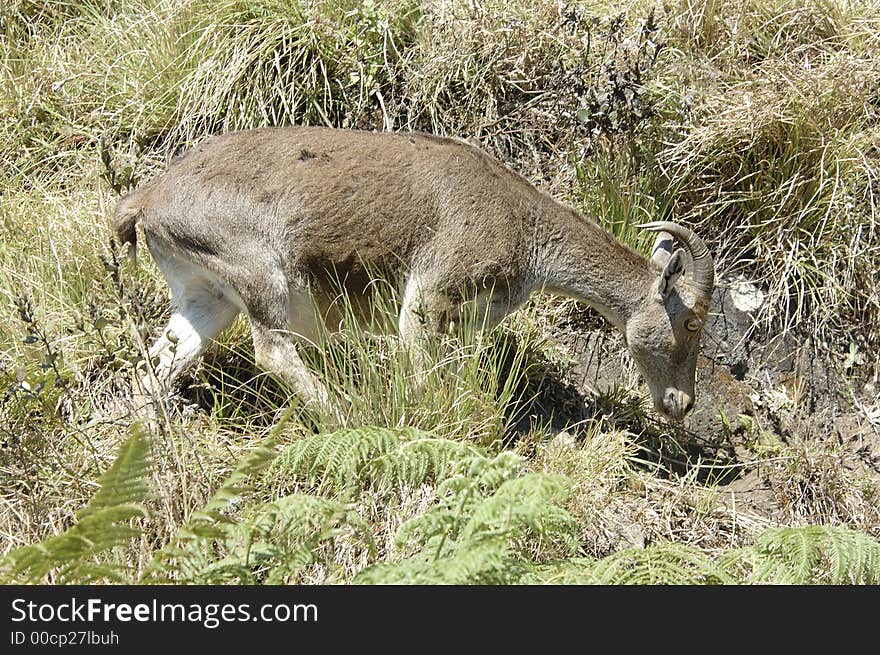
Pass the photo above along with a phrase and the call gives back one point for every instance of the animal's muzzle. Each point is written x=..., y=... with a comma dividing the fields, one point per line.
x=675, y=404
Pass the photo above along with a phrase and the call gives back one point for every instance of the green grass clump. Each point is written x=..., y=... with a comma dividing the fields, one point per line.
x=153, y=76
x=772, y=149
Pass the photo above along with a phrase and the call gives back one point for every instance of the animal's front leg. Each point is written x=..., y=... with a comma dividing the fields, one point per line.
x=421, y=323
x=276, y=352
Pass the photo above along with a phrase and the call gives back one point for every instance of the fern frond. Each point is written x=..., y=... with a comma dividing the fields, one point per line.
x=475, y=478
x=669, y=564
x=70, y=557
x=378, y=457
x=126, y=481
x=525, y=506
x=814, y=554
x=271, y=543
x=573, y=571
x=179, y=559
x=738, y=562
x=414, y=461
x=478, y=536
x=488, y=563
x=491, y=474
x=252, y=464
x=285, y=536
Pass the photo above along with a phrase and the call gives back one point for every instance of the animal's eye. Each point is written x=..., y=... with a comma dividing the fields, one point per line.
x=693, y=324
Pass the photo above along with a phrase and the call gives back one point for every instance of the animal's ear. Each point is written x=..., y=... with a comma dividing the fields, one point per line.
x=663, y=247
x=671, y=272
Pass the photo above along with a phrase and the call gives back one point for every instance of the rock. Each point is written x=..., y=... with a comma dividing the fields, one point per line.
x=562, y=442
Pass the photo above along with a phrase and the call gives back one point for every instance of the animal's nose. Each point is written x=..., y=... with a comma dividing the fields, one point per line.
x=676, y=404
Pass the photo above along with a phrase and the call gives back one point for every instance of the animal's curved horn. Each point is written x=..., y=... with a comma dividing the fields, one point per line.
x=703, y=274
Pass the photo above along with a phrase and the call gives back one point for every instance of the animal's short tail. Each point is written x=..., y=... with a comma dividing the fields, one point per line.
x=125, y=218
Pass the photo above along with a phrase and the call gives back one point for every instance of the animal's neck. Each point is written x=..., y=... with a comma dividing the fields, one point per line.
x=575, y=258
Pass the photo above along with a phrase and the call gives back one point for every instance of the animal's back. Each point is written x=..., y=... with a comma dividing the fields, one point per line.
x=327, y=198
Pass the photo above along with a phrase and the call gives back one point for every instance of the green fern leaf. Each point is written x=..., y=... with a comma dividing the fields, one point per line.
x=670, y=564
x=102, y=525
x=254, y=462
x=815, y=554
x=479, y=535
x=381, y=458
x=572, y=571
x=182, y=558
x=126, y=481
x=270, y=543
x=523, y=506
x=488, y=563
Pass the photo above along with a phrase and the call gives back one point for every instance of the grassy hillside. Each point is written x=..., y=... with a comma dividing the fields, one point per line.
x=757, y=122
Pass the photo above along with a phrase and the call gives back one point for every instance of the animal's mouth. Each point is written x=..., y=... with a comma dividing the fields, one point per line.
x=674, y=405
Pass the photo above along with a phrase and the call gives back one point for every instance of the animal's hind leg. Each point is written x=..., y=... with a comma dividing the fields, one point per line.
x=200, y=313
